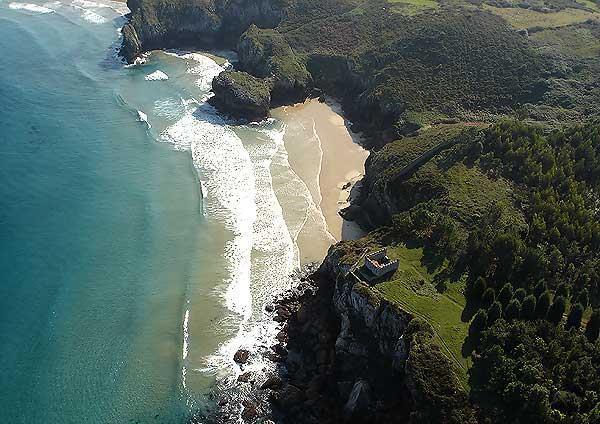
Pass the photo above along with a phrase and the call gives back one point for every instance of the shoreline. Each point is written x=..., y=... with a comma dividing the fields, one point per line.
x=329, y=159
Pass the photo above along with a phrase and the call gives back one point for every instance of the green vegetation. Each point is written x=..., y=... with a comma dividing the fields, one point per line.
x=511, y=209
x=411, y=7
x=413, y=288
x=527, y=19
x=438, y=399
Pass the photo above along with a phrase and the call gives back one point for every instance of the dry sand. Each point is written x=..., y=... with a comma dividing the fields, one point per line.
x=329, y=159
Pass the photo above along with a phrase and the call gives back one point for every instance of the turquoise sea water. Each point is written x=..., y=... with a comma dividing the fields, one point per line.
x=141, y=234
x=99, y=230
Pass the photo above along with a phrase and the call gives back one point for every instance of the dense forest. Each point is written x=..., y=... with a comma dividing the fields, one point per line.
x=533, y=291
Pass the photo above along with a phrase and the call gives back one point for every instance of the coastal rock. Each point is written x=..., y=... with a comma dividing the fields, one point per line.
x=245, y=377
x=241, y=356
x=250, y=412
x=157, y=24
x=265, y=53
x=273, y=382
x=359, y=401
x=241, y=95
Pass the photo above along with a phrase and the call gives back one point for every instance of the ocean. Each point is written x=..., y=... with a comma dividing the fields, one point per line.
x=141, y=233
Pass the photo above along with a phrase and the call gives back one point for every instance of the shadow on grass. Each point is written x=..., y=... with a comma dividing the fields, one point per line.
x=470, y=310
x=468, y=346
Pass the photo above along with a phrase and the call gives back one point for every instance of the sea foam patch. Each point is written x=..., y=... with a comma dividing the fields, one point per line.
x=157, y=75
x=204, y=68
x=30, y=7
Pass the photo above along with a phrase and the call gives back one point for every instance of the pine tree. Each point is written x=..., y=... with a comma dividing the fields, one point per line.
x=592, y=329
x=584, y=298
x=562, y=290
x=494, y=312
x=506, y=294
x=488, y=297
x=575, y=315
x=520, y=294
x=513, y=310
x=542, y=305
x=477, y=288
x=479, y=323
x=528, y=308
x=540, y=288
x=556, y=311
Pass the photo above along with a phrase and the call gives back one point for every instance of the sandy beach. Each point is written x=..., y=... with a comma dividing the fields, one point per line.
x=329, y=159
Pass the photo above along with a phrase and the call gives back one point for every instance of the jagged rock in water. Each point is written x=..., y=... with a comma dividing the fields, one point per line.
x=241, y=356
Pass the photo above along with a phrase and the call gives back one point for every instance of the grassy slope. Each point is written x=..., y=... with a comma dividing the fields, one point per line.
x=412, y=287
x=465, y=193
x=525, y=18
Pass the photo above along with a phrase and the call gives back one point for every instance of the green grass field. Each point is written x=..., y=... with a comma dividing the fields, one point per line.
x=525, y=18
x=411, y=7
x=412, y=288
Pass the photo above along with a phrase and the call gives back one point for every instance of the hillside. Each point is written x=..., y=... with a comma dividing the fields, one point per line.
x=395, y=65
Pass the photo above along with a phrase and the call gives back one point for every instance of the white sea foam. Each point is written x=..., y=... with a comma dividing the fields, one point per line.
x=169, y=108
x=30, y=7
x=186, y=334
x=93, y=17
x=157, y=75
x=143, y=118
x=224, y=166
x=205, y=68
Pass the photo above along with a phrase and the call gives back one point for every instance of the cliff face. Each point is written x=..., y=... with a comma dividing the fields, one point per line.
x=156, y=24
x=347, y=353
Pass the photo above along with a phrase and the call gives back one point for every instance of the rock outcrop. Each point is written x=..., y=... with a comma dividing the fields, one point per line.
x=241, y=95
x=156, y=24
x=266, y=54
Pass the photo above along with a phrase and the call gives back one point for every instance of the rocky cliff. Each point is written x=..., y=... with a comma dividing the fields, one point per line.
x=157, y=24
x=354, y=357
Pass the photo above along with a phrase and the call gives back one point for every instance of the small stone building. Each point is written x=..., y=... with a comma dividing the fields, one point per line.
x=378, y=263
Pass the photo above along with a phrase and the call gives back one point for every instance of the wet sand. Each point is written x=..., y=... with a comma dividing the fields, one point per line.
x=329, y=159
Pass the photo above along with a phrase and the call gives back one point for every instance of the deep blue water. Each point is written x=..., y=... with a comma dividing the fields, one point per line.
x=97, y=222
